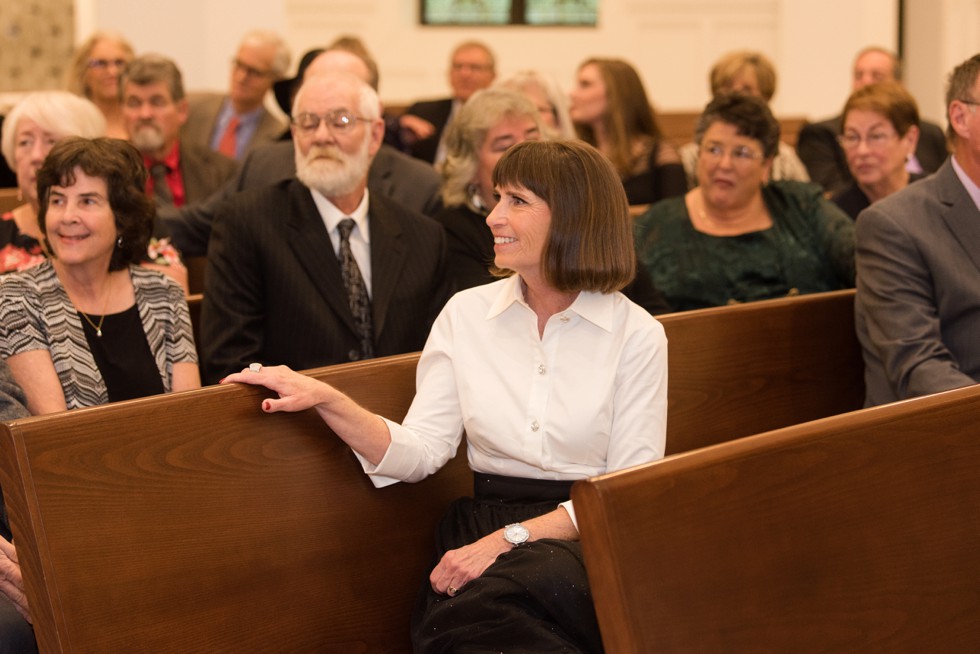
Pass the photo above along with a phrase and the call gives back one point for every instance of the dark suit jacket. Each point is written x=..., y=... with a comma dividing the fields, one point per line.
x=205, y=171
x=203, y=117
x=824, y=158
x=436, y=112
x=918, y=289
x=411, y=183
x=274, y=292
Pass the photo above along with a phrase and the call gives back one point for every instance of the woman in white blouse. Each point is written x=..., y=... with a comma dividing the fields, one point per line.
x=554, y=376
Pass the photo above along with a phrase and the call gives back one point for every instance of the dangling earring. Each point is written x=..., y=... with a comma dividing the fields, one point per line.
x=119, y=242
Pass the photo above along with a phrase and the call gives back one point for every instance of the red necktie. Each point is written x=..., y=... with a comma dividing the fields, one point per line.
x=228, y=145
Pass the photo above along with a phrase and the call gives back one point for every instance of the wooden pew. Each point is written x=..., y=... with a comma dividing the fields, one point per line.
x=678, y=127
x=195, y=522
x=854, y=533
x=249, y=499
x=744, y=369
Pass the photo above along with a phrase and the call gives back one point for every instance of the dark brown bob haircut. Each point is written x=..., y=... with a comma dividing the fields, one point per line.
x=120, y=165
x=590, y=240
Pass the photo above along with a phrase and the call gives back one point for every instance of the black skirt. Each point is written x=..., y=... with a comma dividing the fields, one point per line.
x=534, y=598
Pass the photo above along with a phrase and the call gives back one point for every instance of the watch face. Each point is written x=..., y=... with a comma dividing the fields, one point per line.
x=516, y=534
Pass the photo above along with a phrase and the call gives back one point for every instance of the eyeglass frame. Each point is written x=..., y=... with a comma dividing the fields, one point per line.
x=874, y=140
x=103, y=64
x=741, y=154
x=250, y=71
x=970, y=103
x=347, y=121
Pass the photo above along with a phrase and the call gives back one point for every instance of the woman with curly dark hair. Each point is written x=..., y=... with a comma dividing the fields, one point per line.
x=90, y=325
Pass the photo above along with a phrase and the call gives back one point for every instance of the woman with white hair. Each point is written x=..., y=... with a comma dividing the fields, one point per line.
x=30, y=130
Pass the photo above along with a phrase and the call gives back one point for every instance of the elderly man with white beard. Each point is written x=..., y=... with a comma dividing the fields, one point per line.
x=154, y=108
x=316, y=270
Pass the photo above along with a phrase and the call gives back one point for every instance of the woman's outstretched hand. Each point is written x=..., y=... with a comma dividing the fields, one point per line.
x=296, y=392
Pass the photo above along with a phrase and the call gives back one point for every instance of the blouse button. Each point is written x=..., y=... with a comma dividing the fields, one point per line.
x=564, y=318
x=541, y=369
x=534, y=425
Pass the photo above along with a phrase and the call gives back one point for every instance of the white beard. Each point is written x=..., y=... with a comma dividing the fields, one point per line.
x=331, y=172
x=148, y=138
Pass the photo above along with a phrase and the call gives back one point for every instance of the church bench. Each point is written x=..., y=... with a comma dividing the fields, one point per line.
x=195, y=522
x=168, y=522
x=743, y=369
x=854, y=533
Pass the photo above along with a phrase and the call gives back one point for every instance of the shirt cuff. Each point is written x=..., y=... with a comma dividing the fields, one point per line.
x=571, y=512
x=398, y=463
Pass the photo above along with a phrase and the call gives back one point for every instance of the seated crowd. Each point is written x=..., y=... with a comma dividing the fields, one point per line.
x=492, y=231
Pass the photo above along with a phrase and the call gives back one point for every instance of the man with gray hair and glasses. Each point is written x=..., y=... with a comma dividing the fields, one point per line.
x=317, y=269
x=235, y=123
x=918, y=267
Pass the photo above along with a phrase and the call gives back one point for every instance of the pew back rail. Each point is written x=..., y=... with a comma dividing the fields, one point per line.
x=852, y=533
x=744, y=369
x=204, y=525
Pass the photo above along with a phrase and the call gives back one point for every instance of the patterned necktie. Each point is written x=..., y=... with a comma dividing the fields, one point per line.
x=161, y=189
x=357, y=296
x=228, y=145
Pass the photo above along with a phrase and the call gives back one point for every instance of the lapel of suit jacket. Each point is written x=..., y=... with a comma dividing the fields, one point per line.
x=961, y=214
x=387, y=257
x=310, y=242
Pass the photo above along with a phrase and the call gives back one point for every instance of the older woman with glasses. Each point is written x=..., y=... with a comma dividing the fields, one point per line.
x=879, y=132
x=737, y=237
x=94, y=73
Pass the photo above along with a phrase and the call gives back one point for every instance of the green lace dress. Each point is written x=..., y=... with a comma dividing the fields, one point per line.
x=809, y=249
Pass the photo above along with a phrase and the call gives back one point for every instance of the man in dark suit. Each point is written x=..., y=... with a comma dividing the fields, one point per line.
x=275, y=288
x=423, y=124
x=154, y=108
x=408, y=181
x=918, y=267
x=821, y=152
x=237, y=122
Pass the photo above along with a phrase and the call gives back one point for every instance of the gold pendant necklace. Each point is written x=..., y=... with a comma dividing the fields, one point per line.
x=97, y=328
x=105, y=306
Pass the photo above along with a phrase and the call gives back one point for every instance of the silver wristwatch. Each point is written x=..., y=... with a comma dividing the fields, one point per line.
x=516, y=534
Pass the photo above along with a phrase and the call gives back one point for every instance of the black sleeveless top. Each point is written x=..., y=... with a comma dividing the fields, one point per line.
x=123, y=355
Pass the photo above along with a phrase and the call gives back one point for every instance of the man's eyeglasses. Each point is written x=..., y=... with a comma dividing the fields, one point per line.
x=103, y=64
x=875, y=140
x=739, y=154
x=249, y=71
x=338, y=120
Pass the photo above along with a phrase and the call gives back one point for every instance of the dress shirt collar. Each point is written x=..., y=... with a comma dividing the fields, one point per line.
x=332, y=216
x=171, y=160
x=597, y=308
x=970, y=186
x=227, y=111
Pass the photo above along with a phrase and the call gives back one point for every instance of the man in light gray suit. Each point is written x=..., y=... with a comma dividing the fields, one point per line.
x=918, y=267
x=237, y=122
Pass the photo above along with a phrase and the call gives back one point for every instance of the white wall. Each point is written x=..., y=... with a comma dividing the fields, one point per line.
x=671, y=42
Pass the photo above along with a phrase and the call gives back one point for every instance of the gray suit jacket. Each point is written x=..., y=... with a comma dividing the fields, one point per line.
x=918, y=290
x=274, y=292
x=411, y=183
x=203, y=118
